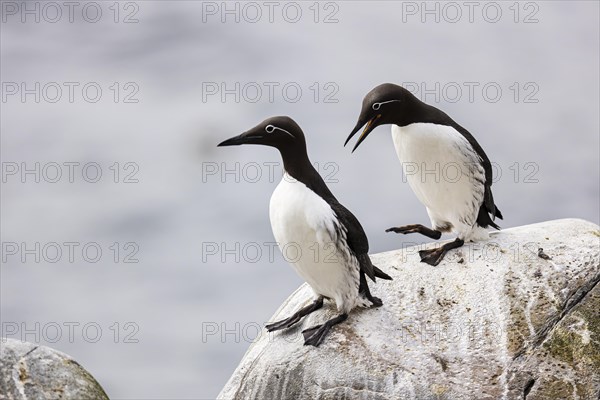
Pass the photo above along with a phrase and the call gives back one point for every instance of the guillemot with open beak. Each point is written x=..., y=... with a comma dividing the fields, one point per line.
x=333, y=248
x=429, y=140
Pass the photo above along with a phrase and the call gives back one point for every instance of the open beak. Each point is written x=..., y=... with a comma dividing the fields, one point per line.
x=248, y=137
x=368, y=128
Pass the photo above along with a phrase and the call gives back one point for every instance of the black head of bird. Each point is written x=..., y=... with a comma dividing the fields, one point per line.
x=285, y=135
x=281, y=132
x=385, y=104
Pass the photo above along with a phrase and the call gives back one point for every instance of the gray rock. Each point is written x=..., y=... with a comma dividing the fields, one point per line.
x=494, y=320
x=30, y=371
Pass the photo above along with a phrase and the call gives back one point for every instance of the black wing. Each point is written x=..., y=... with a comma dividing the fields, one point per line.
x=488, y=207
x=357, y=241
x=355, y=235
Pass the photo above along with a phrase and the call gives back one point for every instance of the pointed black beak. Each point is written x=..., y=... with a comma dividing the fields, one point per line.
x=370, y=126
x=359, y=125
x=248, y=137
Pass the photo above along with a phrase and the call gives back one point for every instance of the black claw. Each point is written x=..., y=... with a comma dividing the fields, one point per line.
x=432, y=257
x=308, y=333
x=416, y=228
x=313, y=341
x=315, y=335
x=376, y=301
x=286, y=323
x=289, y=322
x=401, y=229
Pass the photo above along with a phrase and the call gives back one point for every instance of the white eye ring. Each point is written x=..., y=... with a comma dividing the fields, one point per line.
x=377, y=106
x=270, y=129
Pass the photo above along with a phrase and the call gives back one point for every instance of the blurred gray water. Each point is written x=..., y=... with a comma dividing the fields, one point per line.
x=184, y=211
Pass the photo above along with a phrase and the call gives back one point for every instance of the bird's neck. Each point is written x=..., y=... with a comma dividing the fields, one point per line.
x=419, y=111
x=297, y=165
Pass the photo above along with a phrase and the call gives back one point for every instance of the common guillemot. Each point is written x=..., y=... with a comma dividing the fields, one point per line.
x=428, y=139
x=334, y=258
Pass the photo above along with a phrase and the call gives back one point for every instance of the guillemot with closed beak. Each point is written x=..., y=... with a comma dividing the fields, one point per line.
x=333, y=257
x=429, y=140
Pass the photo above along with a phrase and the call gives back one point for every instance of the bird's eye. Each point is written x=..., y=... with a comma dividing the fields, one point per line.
x=269, y=128
x=376, y=106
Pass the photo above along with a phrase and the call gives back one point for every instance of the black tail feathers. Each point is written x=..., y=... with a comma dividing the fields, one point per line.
x=498, y=213
x=484, y=219
x=380, y=274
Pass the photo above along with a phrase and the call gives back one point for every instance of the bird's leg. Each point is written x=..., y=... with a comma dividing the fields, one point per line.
x=434, y=256
x=417, y=228
x=364, y=290
x=288, y=322
x=315, y=335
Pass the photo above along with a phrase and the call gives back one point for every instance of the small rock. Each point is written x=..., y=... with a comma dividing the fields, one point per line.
x=30, y=371
x=543, y=255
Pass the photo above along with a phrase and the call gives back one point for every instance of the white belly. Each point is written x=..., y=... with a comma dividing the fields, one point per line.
x=444, y=171
x=305, y=229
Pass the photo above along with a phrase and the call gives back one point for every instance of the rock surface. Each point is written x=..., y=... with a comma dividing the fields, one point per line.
x=30, y=371
x=495, y=320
